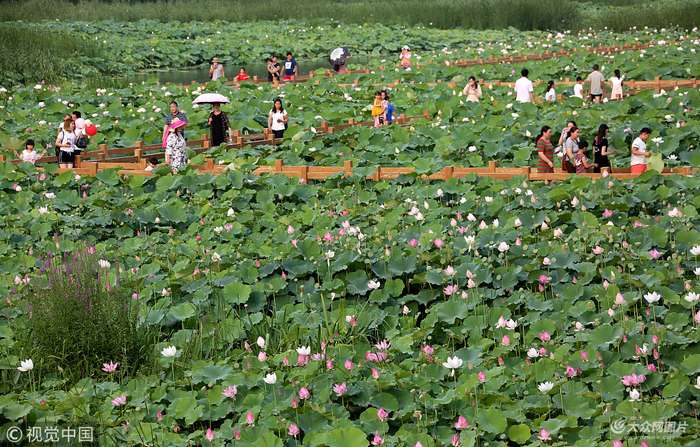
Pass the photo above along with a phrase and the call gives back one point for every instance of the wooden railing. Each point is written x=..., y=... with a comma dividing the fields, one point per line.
x=306, y=173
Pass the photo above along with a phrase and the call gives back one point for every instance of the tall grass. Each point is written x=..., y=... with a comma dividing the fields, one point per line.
x=28, y=54
x=479, y=14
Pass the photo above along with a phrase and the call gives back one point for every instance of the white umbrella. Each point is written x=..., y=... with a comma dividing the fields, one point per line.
x=210, y=98
x=339, y=56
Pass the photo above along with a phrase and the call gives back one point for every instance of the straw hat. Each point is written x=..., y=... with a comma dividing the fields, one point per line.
x=216, y=59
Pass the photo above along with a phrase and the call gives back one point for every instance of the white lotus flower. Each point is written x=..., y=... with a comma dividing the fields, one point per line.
x=26, y=365
x=471, y=218
x=330, y=254
x=169, y=352
x=574, y=202
x=545, y=387
x=495, y=223
x=511, y=324
x=692, y=297
x=652, y=297
x=43, y=210
x=373, y=285
x=472, y=149
x=533, y=353
x=517, y=222
x=453, y=363
x=230, y=212
x=304, y=350
x=695, y=251
x=697, y=382
x=104, y=264
x=558, y=232
x=697, y=271
x=49, y=195
x=260, y=342
x=634, y=395
x=270, y=379
x=503, y=247
x=216, y=257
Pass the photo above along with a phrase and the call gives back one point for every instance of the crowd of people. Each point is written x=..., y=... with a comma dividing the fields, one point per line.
x=524, y=88
x=72, y=137
x=573, y=150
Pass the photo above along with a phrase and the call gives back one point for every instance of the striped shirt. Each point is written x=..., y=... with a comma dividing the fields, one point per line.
x=545, y=147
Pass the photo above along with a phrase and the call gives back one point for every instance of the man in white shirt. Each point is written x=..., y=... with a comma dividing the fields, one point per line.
x=638, y=160
x=523, y=87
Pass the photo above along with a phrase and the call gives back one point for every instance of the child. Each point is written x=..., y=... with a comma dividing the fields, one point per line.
x=152, y=164
x=406, y=58
x=580, y=160
x=29, y=155
x=578, y=87
x=616, y=81
x=378, y=110
x=638, y=160
x=242, y=75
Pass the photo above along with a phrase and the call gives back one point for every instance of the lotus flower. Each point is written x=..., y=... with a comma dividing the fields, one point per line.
x=544, y=435
x=438, y=243
x=304, y=393
x=382, y=414
x=293, y=430
x=450, y=289
x=110, y=367
x=453, y=363
x=230, y=391
x=692, y=297
x=544, y=336
x=377, y=440
x=373, y=284
x=340, y=389
x=545, y=387
x=169, y=352
x=270, y=379
x=695, y=251
x=260, y=342
x=533, y=353
x=461, y=423
x=481, y=376
x=209, y=435
x=119, y=400
x=503, y=247
x=652, y=297
x=250, y=418
x=634, y=395
x=25, y=365
x=103, y=264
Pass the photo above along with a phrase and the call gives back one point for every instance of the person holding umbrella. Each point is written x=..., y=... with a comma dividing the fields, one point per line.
x=338, y=58
x=219, y=126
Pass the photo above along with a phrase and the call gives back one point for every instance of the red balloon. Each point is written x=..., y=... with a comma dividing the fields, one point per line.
x=91, y=130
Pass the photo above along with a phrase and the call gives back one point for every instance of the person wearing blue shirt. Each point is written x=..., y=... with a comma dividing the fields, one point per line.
x=389, y=107
x=290, y=67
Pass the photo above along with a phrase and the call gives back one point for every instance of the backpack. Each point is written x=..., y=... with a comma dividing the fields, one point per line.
x=81, y=142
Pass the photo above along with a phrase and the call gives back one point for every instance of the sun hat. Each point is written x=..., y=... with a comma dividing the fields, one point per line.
x=216, y=59
x=406, y=47
x=174, y=124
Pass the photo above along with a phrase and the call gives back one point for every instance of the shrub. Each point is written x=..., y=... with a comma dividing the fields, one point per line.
x=80, y=315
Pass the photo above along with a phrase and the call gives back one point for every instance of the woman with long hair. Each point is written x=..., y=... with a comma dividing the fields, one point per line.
x=550, y=95
x=570, y=150
x=616, y=81
x=601, y=150
x=545, y=150
x=472, y=90
x=277, y=119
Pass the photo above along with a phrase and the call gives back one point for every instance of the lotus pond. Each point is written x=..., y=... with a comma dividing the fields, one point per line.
x=239, y=310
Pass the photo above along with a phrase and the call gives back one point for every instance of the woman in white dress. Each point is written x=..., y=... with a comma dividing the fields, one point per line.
x=550, y=94
x=616, y=82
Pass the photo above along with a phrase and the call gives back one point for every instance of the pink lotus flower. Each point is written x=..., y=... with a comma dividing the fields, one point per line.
x=571, y=372
x=544, y=280
x=607, y=213
x=584, y=356
x=696, y=318
x=544, y=435
x=290, y=229
x=304, y=393
x=544, y=336
x=351, y=320
x=383, y=345
x=418, y=444
x=230, y=391
x=455, y=440
x=606, y=284
x=110, y=367
x=617, y=443
x=597, y=250
x=340, y=389
x=633, y=379
x=651, y=367
x=119, y=400
x=377, y=440
x=382, y=415
x=262, y=356
x=371, y=357
x=505, y=340
x=450, y=290
x=237, y=435
x=250, y=418
x=293, y=430
x=294, y=403
x=327, y=237
x=159, y=416
x=481, y=376
x=348, y=364
x=294, y=243
x=329, y=364
x=285, y=361
x=438, y=243
x=644, y=444
x=619, y=299
x=413, y=243
x=654, y=253
x=375, y=373
x=461, y=423
x=209, y=435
